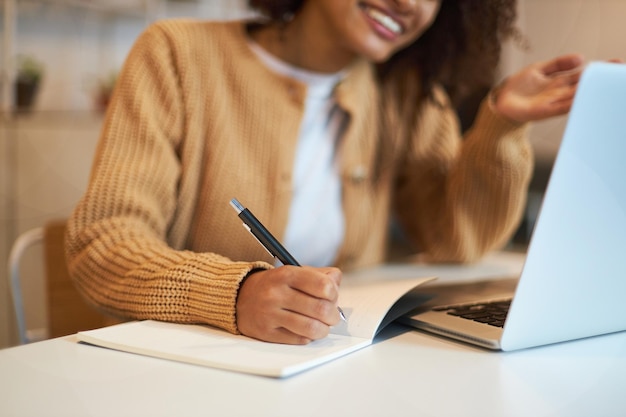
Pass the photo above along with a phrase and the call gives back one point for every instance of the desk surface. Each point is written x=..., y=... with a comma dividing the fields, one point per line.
x=404, y=373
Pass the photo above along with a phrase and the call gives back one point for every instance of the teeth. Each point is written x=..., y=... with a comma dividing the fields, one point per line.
x=384, y=20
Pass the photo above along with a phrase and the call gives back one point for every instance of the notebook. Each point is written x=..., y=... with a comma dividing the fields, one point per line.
x=369, y=302
x=573, y=281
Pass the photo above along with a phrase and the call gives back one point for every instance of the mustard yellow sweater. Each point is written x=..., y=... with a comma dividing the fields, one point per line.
x=197, y=120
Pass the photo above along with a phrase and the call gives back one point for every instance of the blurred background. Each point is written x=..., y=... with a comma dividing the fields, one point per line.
x=59, y=60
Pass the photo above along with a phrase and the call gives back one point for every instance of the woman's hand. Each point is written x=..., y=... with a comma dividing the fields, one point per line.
x=289, y=304
x=541, y=90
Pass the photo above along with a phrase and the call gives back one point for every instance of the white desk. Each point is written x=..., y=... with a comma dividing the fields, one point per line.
x=404, y=373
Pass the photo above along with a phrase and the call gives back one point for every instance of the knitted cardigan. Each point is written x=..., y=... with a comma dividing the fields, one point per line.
x=196, y=120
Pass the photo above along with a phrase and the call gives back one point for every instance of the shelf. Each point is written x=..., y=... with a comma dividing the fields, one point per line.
x=122, y=7
x=51, y=119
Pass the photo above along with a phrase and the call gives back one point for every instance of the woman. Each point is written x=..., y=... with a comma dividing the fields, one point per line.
x=325, y=117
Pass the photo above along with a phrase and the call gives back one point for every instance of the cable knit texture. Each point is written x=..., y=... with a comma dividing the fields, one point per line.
x=197, y=120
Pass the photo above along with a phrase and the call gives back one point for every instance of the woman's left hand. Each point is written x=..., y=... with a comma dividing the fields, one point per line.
x=541, y=90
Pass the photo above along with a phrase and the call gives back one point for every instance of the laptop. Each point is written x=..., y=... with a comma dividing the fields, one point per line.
x=573, y=281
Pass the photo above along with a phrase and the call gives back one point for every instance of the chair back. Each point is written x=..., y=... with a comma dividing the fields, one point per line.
x=67, y=311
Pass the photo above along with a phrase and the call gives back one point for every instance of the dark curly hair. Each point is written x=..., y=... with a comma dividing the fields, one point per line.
x=460, y=51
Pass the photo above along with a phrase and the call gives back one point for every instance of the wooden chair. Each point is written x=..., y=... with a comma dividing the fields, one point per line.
x=67, y=312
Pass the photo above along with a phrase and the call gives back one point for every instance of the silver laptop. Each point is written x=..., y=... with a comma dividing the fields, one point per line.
x=573, y=282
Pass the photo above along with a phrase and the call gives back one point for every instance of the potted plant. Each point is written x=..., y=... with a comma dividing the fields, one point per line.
x=104, y=90
x=29, y=74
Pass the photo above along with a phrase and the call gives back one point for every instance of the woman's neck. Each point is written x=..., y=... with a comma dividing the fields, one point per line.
x=295, y=44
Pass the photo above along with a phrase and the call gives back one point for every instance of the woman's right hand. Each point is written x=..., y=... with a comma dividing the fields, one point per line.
x=541, y=90
x=289, y=304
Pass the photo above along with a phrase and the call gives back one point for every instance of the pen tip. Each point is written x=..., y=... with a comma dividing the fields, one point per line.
x=342, y=314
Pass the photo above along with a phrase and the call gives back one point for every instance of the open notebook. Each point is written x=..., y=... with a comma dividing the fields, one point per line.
x=369, y=304
x=573, y=281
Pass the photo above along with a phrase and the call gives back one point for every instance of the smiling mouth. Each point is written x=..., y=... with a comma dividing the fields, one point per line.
x=383, y=19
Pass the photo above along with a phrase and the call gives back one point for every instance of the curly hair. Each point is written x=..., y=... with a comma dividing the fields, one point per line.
x=460, y=51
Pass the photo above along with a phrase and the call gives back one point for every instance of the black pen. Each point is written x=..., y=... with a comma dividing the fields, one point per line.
x=266, y=239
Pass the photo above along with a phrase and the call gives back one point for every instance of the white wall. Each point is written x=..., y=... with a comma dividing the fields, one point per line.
x=80, y=46
x=594, y=28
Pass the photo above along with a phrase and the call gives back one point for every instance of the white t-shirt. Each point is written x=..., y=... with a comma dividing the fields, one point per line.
x=315, y=228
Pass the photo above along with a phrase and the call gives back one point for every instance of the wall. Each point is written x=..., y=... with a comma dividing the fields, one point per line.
x=79, y=46
x=594, y=28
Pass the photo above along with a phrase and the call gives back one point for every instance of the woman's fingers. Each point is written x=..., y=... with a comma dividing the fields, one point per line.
x=563, y=63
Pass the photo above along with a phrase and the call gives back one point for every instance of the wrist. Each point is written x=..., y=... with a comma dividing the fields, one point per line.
x=498, y=106
x=494, y=96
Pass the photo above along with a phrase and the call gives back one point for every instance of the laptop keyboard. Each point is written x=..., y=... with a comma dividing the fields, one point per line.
x=492, y=313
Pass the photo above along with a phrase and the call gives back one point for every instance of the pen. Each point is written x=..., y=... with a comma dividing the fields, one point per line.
x=266, y=239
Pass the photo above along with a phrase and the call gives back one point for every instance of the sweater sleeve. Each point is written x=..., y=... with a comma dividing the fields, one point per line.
x=117, y=238
x=459, y=198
